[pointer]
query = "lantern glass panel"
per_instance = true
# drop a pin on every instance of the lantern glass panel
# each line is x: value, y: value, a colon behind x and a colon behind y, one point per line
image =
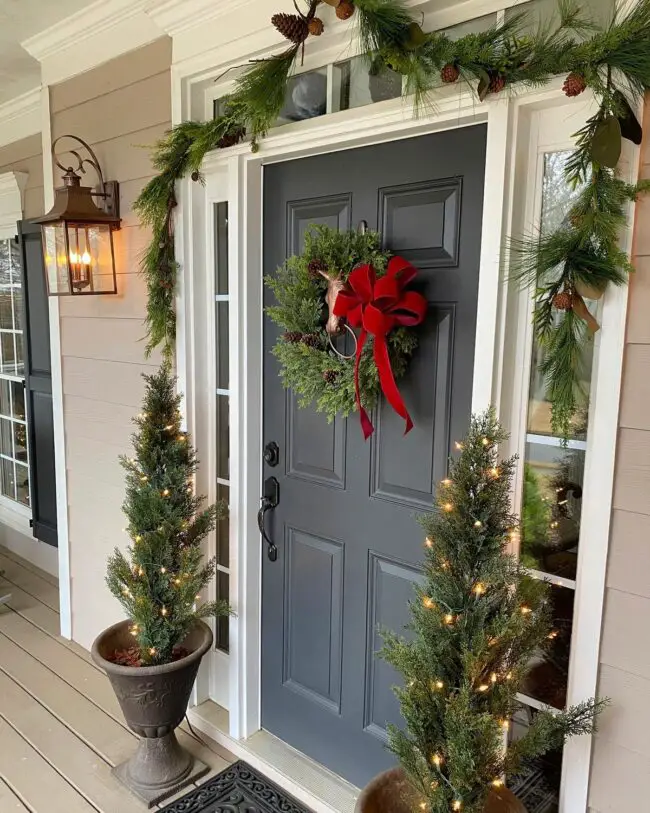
x: 90, y: 254
x: 55, y: 254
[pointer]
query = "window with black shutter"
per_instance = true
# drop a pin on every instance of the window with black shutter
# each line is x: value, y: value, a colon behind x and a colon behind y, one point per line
x: 37, y: 370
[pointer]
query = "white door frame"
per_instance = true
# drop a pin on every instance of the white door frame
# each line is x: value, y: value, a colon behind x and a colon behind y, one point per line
x: 236, y: 175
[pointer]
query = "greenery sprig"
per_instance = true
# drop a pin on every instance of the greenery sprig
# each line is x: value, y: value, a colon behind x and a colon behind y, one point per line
x: 613, y: 61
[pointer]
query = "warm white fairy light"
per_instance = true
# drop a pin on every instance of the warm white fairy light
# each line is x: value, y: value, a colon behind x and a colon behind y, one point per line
x: 494, y: 471
x: 448, y: 507
x: 163, y: 570
x: 181, y: 438
x: 439, y: 684
x: 509, y: 676
x: 437, y: 760
x: 479, y: 589
x: 485, y: 441
x: 525, y: 609
x: 457, y: 805
x: 197, y: 597
x: 138, y: 538
x: 444, y: 564
x: 449, y: 619
x: 428, y: 542
x: 144, y: 478
x: 140, y: 571
x: 505, y: 724
x: 458, y: 445
x: 483, y: 687
x: 177, y: 581
x: 152, y: 651
x: 478, y: 524
x: 163, y: 611
x: 169, y: 427
x: 552, y: 635
x: 446, y: 482
x: 423, y: 805
x: 493, y: 677
x: 165, y: 492
x: 428, y: 602
x: 497, y: 783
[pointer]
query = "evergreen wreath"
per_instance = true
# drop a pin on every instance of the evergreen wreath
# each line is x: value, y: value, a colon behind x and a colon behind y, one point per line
x: 577, y: 261
x: 308, y: 363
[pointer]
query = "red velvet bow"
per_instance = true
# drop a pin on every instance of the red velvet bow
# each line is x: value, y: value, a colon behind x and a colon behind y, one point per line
x: 377, y: 306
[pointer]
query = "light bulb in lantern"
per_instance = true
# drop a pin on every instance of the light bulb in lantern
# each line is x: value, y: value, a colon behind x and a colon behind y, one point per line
x: 85, y: 258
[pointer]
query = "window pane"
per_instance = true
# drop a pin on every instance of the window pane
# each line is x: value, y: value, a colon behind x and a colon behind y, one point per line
x: 358, y: 82
x: 306, y: 97
x: 5, y: 403
x: 18, y: 307
x: 474, y: 26
x: 20, y: 441
x: 8, y: 363
x: 221, y: 247
x: 223, y: 624
x: 5, y: 262
x: 223, y: 530
x: 223, y: 437
x: 6, y: 433
x: 222, y: 346
x: 548, y: 677
x: 7, y: 478
x: 6, y: 318
x: 546, y: 11
x: 18, y: 398
x: 538, y: 789
x: 22, y: 484
x: 552, y: 503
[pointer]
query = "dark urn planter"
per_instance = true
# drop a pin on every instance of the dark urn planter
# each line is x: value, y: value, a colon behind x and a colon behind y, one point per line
x: 154, y: 701
x: 391, y: 792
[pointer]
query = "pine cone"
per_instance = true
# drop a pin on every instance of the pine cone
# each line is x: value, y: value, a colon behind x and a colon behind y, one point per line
x: 291, y: 26
x: 345, y: 9
x: 330, y: 376
x: 449, y: 74
x: 563, y: 301
x: 315, y: 267
x: 231, y: 138
x: 574, y: 84
x: 316, y: 27
x: 311, y: 340
x: 497, y: 83
x: 195, y: 175
x: 292, y: 336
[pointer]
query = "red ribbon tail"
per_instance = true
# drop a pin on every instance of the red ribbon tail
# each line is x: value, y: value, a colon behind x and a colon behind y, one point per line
x: 366, y: 423
x: 387, y: 382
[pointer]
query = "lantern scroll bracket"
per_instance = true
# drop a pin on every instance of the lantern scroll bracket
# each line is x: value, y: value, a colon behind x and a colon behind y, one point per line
x: 107, y: 192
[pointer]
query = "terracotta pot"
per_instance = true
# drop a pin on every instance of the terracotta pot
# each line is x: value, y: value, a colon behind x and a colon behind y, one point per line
x: 587, y: 291
x: 391, y: 792
x: 154, y: 701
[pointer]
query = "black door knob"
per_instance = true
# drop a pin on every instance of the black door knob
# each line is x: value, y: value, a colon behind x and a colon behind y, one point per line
x: 272, y: 453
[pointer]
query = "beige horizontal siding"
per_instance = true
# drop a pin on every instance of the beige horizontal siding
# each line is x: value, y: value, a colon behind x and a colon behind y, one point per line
x: 121, y: 109
x: 26, y: 155
x: 620, y: 774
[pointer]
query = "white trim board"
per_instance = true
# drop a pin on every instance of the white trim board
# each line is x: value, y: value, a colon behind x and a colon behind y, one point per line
x: 60, y: 470
x: 20, y: 117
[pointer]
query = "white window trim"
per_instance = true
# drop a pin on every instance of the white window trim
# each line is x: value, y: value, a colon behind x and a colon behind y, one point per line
x: 241, y: 177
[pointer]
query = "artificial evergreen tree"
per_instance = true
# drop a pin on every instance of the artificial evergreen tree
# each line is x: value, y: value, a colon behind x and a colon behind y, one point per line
x: 476, y: 623
x: 160, y: 579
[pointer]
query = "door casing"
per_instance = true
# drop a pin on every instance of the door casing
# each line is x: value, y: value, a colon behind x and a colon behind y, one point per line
x: 238, y: 177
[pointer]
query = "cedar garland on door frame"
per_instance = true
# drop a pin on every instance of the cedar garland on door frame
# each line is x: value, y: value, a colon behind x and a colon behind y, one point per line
x: 573, y: 263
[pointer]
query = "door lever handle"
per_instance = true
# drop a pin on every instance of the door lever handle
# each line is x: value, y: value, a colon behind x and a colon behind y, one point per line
x: 270, y: 500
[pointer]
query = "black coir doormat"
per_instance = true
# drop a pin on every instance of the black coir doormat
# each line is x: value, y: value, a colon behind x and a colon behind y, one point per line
x: 238, y: 789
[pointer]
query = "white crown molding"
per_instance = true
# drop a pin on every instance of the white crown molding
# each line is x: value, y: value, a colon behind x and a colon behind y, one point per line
x: 20, y: 117
x: 12, y: 186
x: 102, y: 31
x: 176, y: 16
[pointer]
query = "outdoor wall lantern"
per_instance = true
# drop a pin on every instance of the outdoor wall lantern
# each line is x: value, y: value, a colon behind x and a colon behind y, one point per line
x: 78, y: 233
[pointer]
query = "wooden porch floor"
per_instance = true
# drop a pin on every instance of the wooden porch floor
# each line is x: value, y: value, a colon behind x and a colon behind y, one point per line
x: 61, y: 729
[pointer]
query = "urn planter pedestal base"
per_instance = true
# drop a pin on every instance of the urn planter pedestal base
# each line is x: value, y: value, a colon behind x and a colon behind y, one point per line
x: 159, y: 769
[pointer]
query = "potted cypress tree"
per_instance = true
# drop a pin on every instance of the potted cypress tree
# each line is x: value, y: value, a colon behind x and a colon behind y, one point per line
x: 152, y: 658
x: 477, y: 621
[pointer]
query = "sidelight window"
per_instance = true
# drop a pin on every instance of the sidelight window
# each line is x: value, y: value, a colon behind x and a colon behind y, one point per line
x: 14, y: 465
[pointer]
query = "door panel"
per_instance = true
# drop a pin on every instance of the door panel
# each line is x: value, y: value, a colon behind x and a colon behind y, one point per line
x: 349, y: 546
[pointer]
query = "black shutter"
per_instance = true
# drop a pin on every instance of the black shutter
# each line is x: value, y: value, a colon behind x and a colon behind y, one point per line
x: 38, y: 384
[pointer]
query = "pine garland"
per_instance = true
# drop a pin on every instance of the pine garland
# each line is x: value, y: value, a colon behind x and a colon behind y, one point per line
x: 614, y: 62
x: 477, y: 621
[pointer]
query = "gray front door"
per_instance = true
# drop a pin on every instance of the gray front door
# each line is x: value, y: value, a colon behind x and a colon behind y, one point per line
x: 349, y: 547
